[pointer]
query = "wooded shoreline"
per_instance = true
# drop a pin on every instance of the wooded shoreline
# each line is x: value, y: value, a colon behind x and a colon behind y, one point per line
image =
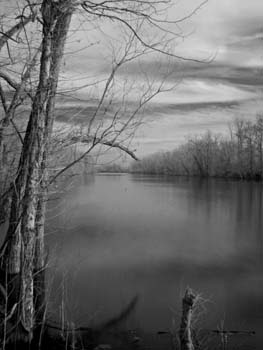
x: 238, y: 155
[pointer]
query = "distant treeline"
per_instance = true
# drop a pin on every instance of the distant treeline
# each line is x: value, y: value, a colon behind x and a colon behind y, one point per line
x: 238, y: 155
x: 112, y: 168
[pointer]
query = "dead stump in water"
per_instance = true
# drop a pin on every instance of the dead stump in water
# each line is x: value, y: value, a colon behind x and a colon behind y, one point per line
x: 185, y: 335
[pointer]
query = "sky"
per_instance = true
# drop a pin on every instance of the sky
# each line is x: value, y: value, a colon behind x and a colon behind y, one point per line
x: 204, y: 96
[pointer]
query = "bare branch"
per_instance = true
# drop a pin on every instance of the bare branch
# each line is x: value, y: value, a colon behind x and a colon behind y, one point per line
x: 113, y: 144
x: 17, y: 131
x: 3, y: 99
x: 115, y: 11
x: 94, y: 142
x: 9, y: 80
x: 70, y: 165
x: 8, y: 35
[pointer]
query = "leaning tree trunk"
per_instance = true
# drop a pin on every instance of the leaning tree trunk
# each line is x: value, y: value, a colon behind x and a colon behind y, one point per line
x: 23, y: 252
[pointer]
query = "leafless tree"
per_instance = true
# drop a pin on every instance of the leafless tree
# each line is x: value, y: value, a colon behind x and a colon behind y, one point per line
x: 35, y: 80
x: 238, y: 155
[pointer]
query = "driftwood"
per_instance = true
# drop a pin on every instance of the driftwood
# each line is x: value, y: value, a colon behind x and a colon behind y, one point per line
x: 189, y: 300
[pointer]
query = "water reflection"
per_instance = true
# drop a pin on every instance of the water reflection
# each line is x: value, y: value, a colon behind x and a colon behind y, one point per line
x: 124, y: 235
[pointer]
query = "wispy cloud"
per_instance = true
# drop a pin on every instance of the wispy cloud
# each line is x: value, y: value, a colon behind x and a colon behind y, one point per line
x: 208, y: 95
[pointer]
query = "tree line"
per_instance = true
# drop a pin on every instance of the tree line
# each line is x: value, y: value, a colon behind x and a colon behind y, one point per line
x: 237, y: 155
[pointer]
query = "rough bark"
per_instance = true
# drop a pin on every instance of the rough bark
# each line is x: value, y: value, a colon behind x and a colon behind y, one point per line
x: 39, y: 263
x: 25, y: 233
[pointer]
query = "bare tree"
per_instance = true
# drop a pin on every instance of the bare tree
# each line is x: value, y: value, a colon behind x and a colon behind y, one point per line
x: 258, y: 128
x: 22, y: 252
x: 208, y: 155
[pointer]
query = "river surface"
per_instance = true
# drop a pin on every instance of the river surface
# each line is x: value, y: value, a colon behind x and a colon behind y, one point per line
x: 118, y: 236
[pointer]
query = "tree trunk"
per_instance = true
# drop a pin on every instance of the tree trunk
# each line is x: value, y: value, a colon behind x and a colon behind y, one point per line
x: 39, y: 267
x: 24, y: 250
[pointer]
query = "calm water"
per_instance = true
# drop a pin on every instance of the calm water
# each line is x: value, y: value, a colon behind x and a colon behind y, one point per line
x: 122, y: 235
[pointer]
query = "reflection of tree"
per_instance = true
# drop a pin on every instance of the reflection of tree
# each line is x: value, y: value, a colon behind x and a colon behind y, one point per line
x: 203, y: 197
x: 259, y: 221
x: 248, y: 217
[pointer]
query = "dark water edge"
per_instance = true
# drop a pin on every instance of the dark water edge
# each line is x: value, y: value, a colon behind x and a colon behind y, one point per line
x: 232, y: 177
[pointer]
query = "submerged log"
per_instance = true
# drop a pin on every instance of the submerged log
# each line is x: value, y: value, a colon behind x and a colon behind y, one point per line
x: 185, y: 335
